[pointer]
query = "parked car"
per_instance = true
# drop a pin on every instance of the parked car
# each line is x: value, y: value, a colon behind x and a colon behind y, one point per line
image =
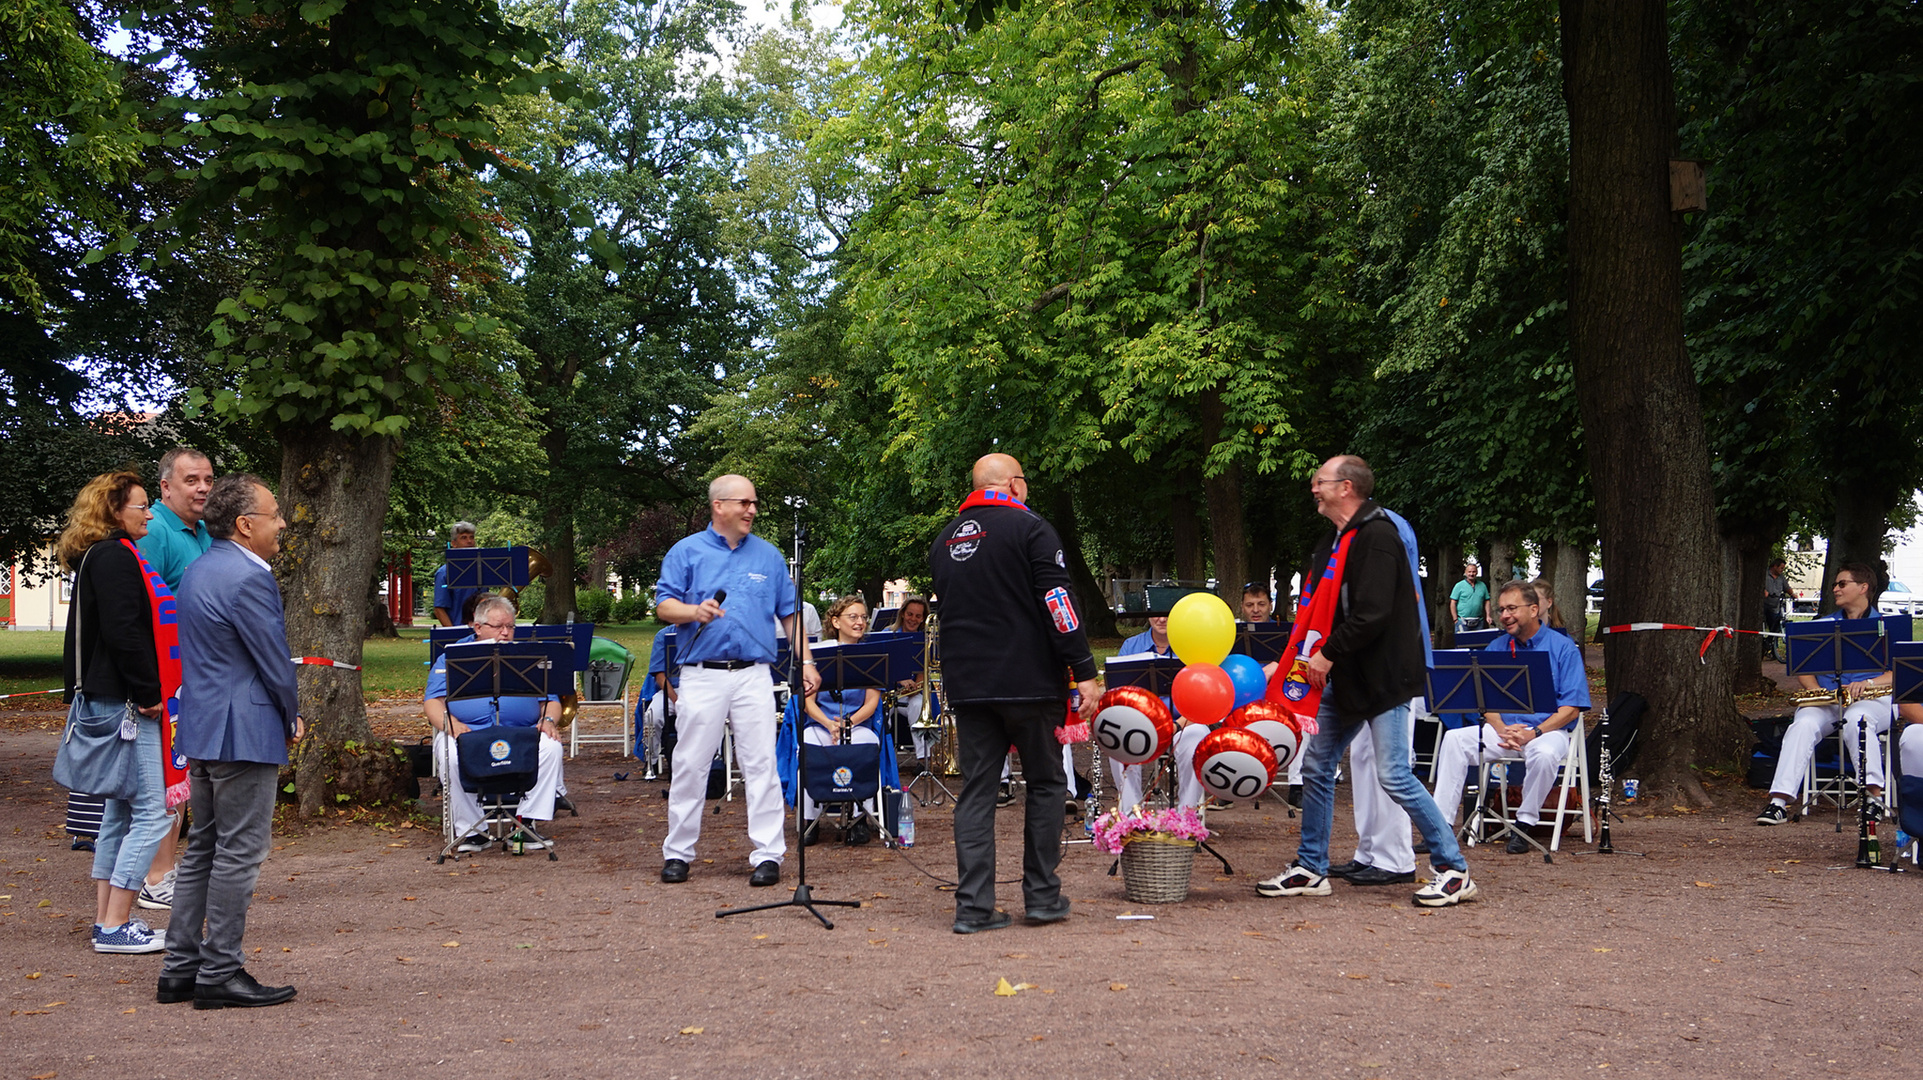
x: 1899, y: 600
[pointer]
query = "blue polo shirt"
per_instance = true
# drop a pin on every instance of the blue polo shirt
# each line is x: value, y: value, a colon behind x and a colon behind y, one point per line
x: 759, y: 592
x: 1143, y: 642
x: 452, y: 600
x: 658, y: 657
x: 479, y: 712
x: 170, y: 545
x: 1566, y: 672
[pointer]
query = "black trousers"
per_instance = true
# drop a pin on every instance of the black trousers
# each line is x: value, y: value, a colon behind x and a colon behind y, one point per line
x: 984, y: 732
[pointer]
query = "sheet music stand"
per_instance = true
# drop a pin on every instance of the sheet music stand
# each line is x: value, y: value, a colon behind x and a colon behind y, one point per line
x: 1476, y: 681
x: 1262, y: 642
x: 494, y: 670
x: 1157, y: 675
x: 1477, y: 639
x: 864, y: 665
x: 487, y: 568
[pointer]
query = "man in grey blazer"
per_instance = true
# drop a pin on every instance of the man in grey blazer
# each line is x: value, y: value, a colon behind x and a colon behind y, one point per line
x: 238, y: 716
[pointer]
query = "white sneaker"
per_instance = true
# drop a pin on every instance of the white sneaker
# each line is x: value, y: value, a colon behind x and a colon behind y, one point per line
x: 157, y: 895
x: 134, y: 937
x: 1447, y: 887
x: 1295, y: 881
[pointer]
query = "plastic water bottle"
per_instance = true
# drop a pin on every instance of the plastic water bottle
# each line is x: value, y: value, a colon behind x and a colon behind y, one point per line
x: 905, y: 823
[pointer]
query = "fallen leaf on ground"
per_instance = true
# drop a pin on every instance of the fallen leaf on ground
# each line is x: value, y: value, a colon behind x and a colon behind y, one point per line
x: 761, y: 937
x: 1602, y: 950
x: 1118, y: 986
x: 692, y: 1030
x: 1358, y: 976
x: 35, y: 975
x: 46, y: 1076
x: 1002, y: 989
x: 1705, y: 885
x: 450, y: 944
x: 1026, y: 986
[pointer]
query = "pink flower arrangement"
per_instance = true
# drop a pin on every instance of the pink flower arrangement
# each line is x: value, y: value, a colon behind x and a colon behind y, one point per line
x: 1115, y: 829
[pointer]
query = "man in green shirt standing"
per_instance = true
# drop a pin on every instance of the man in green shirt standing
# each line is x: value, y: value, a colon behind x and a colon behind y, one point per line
x: 1469, y: 600
x: 175, y: 538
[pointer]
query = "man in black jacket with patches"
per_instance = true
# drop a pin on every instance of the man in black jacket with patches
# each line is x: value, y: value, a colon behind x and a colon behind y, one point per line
x: 1010, y: 637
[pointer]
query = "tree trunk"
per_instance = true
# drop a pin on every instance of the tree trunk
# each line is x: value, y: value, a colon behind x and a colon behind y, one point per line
x: 1571, y: 582
x: 1227, y: 538
x: 1186, y: 525
x: 1090, y: 598
x: 1446, y: 571
x: 557, y: 529
x: 1502, y: 564
x: 333, y: 492
x: 1641, y: 414
x: 1750, y: 567
x: 1862, y: 521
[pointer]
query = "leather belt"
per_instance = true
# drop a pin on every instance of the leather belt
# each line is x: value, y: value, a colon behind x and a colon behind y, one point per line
x: 728, y: 665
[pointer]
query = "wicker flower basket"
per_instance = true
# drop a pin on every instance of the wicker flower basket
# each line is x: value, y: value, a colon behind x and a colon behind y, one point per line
x: 1155, y: 868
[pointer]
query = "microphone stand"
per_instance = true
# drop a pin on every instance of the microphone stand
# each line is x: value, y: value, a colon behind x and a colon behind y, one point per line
x: 804, y: 896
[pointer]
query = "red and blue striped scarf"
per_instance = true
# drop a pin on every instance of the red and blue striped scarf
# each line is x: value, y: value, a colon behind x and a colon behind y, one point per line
x: 166, y: 622
x: 1316, y: 616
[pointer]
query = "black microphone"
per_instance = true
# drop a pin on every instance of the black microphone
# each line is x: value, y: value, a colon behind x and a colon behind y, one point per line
x: 720, y: 596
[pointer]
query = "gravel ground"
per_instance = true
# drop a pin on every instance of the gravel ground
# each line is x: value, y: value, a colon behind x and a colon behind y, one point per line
x: 1725, y: 950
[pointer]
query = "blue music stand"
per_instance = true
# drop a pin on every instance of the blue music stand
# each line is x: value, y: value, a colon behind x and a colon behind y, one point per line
x: 1477, y: 681
x: 1833, y: 647
x: 440, y: 637
x: 487, y: 568
x: 1262, y: 642
x: 579, y: 637
x: 498, y: 669
x: 1477, y: 639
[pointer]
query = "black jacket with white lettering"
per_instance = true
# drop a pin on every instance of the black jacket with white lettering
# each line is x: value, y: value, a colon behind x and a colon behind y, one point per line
x: 1009, y: 627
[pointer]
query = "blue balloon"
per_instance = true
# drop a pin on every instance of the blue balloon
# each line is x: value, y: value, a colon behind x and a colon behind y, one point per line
x: 1246, y: 674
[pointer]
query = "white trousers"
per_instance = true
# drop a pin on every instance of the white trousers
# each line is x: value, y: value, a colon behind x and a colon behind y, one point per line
x: 536, y: 803
x: 744, y: 700
x: 1909, y: 749
x: 818, y: 736
x: 1466, y: 747
x: 1813, y: 723
x: 1188, y: 786
x: 1383, y: 834
x: 908, y: 709
x: 652, y: 719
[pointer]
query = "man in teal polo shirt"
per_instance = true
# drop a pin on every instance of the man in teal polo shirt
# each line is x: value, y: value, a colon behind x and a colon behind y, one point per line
x: 1469, y: 600
x: 177, y: 536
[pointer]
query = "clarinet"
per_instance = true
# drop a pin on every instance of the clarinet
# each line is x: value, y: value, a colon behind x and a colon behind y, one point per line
x: 1864, y: 860
x: 1606, y: 773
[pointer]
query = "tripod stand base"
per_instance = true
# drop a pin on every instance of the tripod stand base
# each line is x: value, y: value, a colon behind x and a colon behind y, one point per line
x: 803, y: 898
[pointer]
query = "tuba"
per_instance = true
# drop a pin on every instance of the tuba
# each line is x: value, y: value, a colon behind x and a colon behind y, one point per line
x: 944, y: 757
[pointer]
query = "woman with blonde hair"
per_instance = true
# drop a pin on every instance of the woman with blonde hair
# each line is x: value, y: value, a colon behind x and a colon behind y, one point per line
x: 121, y: 663
x: 1551, y: 615
x: 833, y: 713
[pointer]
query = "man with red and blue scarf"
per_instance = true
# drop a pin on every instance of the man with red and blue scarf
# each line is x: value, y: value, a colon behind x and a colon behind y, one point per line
x: 1358, y: 652
x: 1011, y: 639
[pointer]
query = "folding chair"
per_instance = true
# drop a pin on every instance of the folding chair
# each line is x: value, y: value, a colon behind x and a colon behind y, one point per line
x: 1830, y: 777
x: 605, y: 682
x: 497, y: 765
x: 1572, y: 775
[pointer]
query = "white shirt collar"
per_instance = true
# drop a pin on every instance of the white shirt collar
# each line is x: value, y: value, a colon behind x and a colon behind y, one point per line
x: 258, y: 561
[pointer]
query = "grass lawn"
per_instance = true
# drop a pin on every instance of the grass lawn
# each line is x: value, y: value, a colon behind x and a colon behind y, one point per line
x: 391, y: 667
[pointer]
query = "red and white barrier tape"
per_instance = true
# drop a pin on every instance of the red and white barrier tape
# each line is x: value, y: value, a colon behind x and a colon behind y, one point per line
x: 322, y: 661
x: 30, y: 693
x: 1711, y: 633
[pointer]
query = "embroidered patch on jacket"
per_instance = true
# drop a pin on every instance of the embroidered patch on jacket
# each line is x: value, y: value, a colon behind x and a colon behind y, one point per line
x: 1061, y: 610
x: 966, y: 541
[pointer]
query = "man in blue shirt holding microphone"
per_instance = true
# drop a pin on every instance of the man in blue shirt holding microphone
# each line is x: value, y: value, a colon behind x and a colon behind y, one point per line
x: 726, y: 587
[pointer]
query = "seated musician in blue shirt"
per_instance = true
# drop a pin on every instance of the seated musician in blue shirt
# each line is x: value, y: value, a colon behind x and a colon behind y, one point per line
x: 1542, y: 739
x: 1128, y: 778
x: 493, y: 621
x: 666, y: 682
x: 835, y: 716
x: 1862, y: 697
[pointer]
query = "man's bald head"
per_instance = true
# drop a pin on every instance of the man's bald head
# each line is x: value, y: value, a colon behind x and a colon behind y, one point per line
x: 999, y: 472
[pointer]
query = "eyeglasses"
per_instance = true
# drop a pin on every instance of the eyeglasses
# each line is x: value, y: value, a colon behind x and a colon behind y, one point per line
x: 1842, y: 581
x: 1318, y: 482
x: 262, y: 513
x: 142, y: 507
x: 746, y: 504
x: 1510, y: 609
x: 496, y: 626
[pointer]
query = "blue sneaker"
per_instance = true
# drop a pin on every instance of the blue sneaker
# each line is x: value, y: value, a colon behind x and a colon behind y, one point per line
x: 134, y: 937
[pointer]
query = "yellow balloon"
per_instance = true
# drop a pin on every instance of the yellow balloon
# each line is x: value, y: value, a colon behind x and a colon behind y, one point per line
x: 1201, y: 629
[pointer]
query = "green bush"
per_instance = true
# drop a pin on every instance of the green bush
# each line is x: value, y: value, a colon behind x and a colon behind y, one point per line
x: 532, y: 597
x: 593, y: 605
x: 632, y: 608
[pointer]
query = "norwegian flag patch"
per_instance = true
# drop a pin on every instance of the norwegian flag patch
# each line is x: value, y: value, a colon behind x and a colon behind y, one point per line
x: 1061, y: 610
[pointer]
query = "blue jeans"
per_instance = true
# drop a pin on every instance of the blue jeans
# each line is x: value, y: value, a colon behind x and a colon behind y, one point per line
x: 1389, y: 731
x: 131, y: 831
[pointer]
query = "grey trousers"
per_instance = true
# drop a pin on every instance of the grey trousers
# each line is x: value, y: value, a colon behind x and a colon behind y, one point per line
x: 233, y: 827
x: 984, y: 732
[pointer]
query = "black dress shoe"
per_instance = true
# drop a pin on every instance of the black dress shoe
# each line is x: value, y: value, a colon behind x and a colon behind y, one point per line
x: 768, y: 873
x: 1518, y: 844
x: 175, y: 989
x: 1295, y: 796
x: 561, y: 802
x: 1422, y: 847
x: 858, y: 834
x: 1375, y: 875
x: 240, y: 992
x: 1343, y: 870
x: 996, y: 920
x: 1050, y: 914
x: 674, y: 871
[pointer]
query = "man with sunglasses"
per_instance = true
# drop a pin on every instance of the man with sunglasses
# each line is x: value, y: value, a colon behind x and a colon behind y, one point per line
x: 1854, y: 591
x: 726, y: 588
